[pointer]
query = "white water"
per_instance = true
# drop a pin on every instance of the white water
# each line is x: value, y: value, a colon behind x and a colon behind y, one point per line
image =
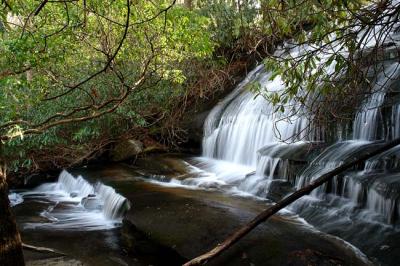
x: 15, y: 199
x: 75, y: 204
x: 243, y: 149
x: 246, y: 131
x: 242, y: 124
x: 368, y: 120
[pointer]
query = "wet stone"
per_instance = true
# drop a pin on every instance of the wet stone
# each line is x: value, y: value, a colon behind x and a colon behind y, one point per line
x: 278, y: 189
x: 91, y: 203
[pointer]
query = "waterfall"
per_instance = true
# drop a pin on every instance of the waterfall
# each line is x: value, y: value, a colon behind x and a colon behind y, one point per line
x: 112, y: 204
x: 77, y: 204
x: 368, y: 119
x: 243, y: 123
x: 246, y: 130
x: 70, y: 184
x: 395, y: 127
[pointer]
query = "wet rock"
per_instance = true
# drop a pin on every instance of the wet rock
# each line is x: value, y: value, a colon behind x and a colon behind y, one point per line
x: 291, y: 159
x: 73, y: 194
x: 38, y: 219
x: 91, y: 203
x: 191, y: 222
x: 388, y: 185
x: 162, y: 168
x: 389, y: 251
x: 126, y: 150
x: 310, y: 257
x: 278, y: 189
x: 139, y: 244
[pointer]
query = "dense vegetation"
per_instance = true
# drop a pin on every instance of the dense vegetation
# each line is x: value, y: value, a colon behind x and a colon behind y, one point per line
x: 77, y: 74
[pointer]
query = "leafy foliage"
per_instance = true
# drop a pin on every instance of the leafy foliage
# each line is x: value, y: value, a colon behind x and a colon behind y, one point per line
x: 73, y: 72
x: 109, y: 65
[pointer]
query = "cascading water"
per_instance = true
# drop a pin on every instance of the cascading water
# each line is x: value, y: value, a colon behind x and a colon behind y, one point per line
x: 251, y: 149
x: 15, y: 199
x: 242, y: 124
x: 244, y: 154
x: 365, y: 127
x: 369, y: 119
x: 76, y: 204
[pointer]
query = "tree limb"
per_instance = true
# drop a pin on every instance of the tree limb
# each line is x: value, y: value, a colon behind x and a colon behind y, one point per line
x: 40, y: 7
x: 264, y: 215
x: 41, y: 249
x: 109, y: 61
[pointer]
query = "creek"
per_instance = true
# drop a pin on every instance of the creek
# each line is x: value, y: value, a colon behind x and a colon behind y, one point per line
x: 252, y: 156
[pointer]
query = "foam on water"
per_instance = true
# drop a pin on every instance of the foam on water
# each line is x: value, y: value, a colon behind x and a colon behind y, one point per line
x: 67, y: 208
x: 15, y: 199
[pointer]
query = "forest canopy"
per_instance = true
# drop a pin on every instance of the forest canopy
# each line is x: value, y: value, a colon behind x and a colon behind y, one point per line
x: 77, y: 73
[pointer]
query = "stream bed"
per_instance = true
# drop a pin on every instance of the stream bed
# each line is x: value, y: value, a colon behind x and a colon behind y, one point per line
x: 177, y: 213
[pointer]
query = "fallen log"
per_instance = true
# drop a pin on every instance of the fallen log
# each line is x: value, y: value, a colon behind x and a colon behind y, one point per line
x: 264, y: 215
x: 42, y: 249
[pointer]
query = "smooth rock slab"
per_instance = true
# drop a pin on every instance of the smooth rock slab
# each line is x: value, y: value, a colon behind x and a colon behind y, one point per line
x: 190, y: 222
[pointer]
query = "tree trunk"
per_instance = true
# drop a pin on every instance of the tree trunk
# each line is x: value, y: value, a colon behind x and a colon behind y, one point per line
x: 264, y: 215
x: 10, y: 240
x: 188, y: 4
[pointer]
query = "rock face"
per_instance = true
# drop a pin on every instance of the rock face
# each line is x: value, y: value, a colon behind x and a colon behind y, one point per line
x: 125, y: 150
x: 169, y: 225
x: 278, y: 189
x: 183, y: 224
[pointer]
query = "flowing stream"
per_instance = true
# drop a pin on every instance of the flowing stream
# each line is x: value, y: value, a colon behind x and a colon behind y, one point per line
x: 72, y: 203
x: 251, y: 150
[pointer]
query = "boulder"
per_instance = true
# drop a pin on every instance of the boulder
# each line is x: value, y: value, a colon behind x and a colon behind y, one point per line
x: 278, y: 189
x: 126, y: 150
x: 91, y: 203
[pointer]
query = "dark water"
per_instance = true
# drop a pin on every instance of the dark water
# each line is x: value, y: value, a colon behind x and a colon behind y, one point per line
x: 94, y: 247
x: 167, y: 210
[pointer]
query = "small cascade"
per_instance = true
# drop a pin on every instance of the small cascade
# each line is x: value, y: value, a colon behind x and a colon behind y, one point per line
x: 78, y: 186
x: 330, y: 158
x: 242, y: 124
x: 114, y: 206
x: 369, y: 120
x: 385, y: 206
x: 389, y: 160
x: 395, y: 128
x: 285, y: 161
x: 77, y: 204
x: 353, y: 189
x: 285, y: 154
x: 269, y: 164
